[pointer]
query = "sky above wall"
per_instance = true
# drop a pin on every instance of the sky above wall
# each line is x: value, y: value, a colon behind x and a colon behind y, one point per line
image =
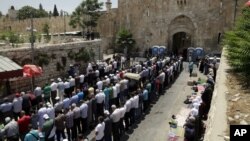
x: 48, y: 5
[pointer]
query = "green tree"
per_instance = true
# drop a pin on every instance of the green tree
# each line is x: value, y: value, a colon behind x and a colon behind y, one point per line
x: 237, y: 42
x: 125, y: 41
x: 13, y: 38
x: 1, y: 14
x: 26, y: 11
x: 86, y: 14
x: 55, y: 11
x: 46, y: 31
x: 40, y: 6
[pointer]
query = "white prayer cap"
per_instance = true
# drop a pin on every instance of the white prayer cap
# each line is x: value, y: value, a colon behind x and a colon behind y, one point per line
x: 106, y: 112
x: 46, y: 116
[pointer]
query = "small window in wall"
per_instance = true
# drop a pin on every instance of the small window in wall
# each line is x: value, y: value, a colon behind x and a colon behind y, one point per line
x: 181, y: 2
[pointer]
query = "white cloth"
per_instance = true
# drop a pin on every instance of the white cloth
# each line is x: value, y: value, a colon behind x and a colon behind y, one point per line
x: 72, y: 82
x: 53, y: 86
x: 81, y: 78
x: 125, y: 83
x: 122, y: 112
x: 41, y: 112
x: 99, y: 85
x: 100, y: 130
x: 128, y: 105
x: 136, y: 101
x: 100, y: 97
x: 194, y: 112
x: 84, y: 110
x: 118, y: 86
x: 114, y: 92
x: 38, y: 91
x: 66, y: 85
x: 116, y: 115
x: 17, y: 104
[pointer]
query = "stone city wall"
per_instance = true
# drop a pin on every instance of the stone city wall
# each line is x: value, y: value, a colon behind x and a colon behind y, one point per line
x: 57, y: 56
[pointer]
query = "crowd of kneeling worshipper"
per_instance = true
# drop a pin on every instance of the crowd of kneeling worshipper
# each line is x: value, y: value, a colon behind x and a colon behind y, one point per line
x: 199, y: 103
x: 106, y: 98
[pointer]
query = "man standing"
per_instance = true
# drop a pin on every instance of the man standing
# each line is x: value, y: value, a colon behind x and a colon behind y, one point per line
x: 108, y: 127
x: 41, y: 112
x: 99, y: 84
x: 72, y: 84
x: 77, y: 126
x: 53, y: 87
x: 127, y: 117
x: 23, y: 124
x: 46, y: 92
x: 69, y: 123
x: 26, y: 105
x: 145, y: 100
x: 48, y: 128
x: 60, y: 88
x: 17, y: 105
x: 191, y: 66
x: 60, y: 126
x: 38, y: 94
x: 100, y: 97
x: 84, y: 116
x: 11, y: 129
x: 99, y: 130
x: 32, y: 135
x: 115, y: 116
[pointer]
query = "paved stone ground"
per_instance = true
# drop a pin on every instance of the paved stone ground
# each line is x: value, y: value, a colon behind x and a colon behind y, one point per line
x: 154, y: 126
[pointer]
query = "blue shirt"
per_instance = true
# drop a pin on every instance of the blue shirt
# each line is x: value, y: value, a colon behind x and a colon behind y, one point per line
x: 66, y: 103
x: 80, y: 96
x: 74, y: 99
x: 145, y: 94
x: 32, y: 136
x: 106, y: 92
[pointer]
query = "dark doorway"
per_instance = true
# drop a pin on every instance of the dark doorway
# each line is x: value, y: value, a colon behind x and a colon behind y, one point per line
x: 181, y: 41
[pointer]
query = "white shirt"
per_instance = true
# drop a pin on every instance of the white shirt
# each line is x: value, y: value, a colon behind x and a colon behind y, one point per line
x: 66, y: 85
x: 17, y: 104
x: 196, y: 105
x: 100, y: 130
x: 128, y: 105
x: 118, y: 86
x: 115, y: 64
x: 99, y: 85
x: 125, y: 83
x: 58, y: 106
x: 136, y: 101
x: 81, y: 78
x: 72, y: 82
x: 116, y: 115
x: 42, y: 111
x: 77, y: 112
x: 97, y: 73
x: 107, y: 81
x: 194, y: 112
x: 60, y: 86
x: 114, y: 92
x: 122, y: 112
x: 84, y: 110
x: 38, y: 91
x: 100, y: 97
x: 53, y: 86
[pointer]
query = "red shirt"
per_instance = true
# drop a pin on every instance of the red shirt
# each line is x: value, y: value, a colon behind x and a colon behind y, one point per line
x: 23, y: 124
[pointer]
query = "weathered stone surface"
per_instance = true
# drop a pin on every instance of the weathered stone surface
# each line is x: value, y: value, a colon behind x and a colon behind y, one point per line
x: 155, y: 22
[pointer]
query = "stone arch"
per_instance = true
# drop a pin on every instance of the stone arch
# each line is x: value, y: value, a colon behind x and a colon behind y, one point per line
x: 181, y: 24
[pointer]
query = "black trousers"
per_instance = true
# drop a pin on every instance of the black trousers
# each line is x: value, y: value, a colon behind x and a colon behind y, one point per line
x: 99, y: 109
x: 69, y: 133
x: 53, y: 97
x: 76, y: 127
x: 116, y: 131
x: 132, y: 116
x: 58, y: 135
x: 121, y: 126
x: 127, y: 120
x: 84, y: 124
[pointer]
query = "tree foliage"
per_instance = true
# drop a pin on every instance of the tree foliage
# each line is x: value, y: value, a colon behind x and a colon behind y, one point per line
x: 125, y: 40
x: 1, y: 14
x: 26, y: 12
x: 86, y: 14
x: 55, y: 11
x: 237, y: 42
x: 46, y: 31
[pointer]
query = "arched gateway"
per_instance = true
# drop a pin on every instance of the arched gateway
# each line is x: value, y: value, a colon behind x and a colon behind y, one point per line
x: 181, y: 34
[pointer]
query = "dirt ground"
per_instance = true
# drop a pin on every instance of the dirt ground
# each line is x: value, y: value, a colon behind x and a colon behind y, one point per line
x: 238, y: 110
